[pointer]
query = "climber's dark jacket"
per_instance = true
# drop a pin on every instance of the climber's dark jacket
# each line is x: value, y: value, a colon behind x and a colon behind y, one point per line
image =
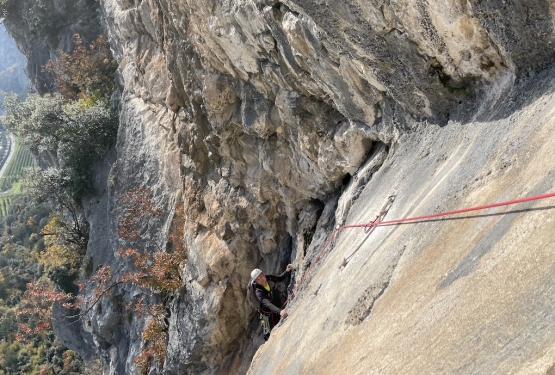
x: 270, y: 301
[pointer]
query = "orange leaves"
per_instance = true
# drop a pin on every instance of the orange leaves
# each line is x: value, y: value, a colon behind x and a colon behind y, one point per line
x: 24, y: 332
x: 155, y: 336
x: 158, y: 271
x: 136, y: 203
x: 80, y: 74
x: 37, y: 301
x: 42, y: 295
x: 42, y: 326
x: 102, y: 275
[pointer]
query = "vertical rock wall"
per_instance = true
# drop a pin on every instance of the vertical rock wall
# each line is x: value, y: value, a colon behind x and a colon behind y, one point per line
x: 465, y: 294
x: 42, y: 28
x: 252, y: 115
x: 269, y: 106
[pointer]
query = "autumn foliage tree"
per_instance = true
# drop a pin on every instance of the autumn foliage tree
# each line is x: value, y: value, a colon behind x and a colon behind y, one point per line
x: 37, y: 304
x: 63, y: 246
x: 67, y: 132
x: 71, y: 136
x: 86, y: 71
x: 157, y: 273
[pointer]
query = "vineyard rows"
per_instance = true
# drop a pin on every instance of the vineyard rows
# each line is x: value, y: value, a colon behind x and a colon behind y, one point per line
x: 9, y: 182
x: 5, y: 203
x: 5, y: 145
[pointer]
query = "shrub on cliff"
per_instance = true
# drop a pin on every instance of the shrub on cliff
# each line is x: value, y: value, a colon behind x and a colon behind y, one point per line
x: 77, y: 134
x: 65, y: 243
x: 69, y: 136
x: 157, y: 274
x: 86, y: 71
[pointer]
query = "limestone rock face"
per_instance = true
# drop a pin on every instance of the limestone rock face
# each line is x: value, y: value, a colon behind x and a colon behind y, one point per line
x: 42, y: 28
x: 271, y: 122
x: 254, y: 114
x: 467, y: 294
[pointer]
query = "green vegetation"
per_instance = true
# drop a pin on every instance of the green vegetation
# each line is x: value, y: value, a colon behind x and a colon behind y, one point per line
x: 5, y: 203
x: 10, y: 81
x: 78, y: 132
x: 69, y: 132
x: 44, y: 234
x: 14, y: 172
x: 21, y: 243
x: 10, y: 182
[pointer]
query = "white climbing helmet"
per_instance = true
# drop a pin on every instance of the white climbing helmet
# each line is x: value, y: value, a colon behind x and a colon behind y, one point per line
x: 254, y: 274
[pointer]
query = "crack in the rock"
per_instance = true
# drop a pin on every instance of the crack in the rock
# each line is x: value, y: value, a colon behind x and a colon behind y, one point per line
x: 365, y: 304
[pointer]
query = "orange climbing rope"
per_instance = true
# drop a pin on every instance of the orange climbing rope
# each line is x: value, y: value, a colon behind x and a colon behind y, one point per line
x: 368, y: 227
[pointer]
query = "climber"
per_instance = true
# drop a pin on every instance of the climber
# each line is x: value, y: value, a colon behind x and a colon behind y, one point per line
x: 268, y: 298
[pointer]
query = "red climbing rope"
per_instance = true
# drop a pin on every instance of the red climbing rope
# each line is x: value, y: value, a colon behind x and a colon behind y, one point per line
x: 448, y: 213
x: 376, y: 223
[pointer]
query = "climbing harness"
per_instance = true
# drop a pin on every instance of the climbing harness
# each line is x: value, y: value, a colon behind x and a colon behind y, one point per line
x: 262, y: 316
x: 265, y: 323
x: 377, y: 222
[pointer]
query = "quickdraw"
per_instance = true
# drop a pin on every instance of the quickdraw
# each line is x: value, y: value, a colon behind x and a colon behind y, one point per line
x: 369, y: 228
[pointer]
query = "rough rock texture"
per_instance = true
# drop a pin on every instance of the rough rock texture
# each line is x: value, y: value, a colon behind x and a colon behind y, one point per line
x: 253, y: 114
x: 271, y: 122
x: 42, y: 28
x: 471, y: 294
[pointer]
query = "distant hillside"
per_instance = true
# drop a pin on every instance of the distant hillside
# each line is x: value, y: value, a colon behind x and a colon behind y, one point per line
x: 12, y: 67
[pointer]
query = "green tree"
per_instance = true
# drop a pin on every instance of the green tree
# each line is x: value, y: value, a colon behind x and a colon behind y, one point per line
x: 67, y: 233
x: 74, y: 134
x: 69, y: 136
